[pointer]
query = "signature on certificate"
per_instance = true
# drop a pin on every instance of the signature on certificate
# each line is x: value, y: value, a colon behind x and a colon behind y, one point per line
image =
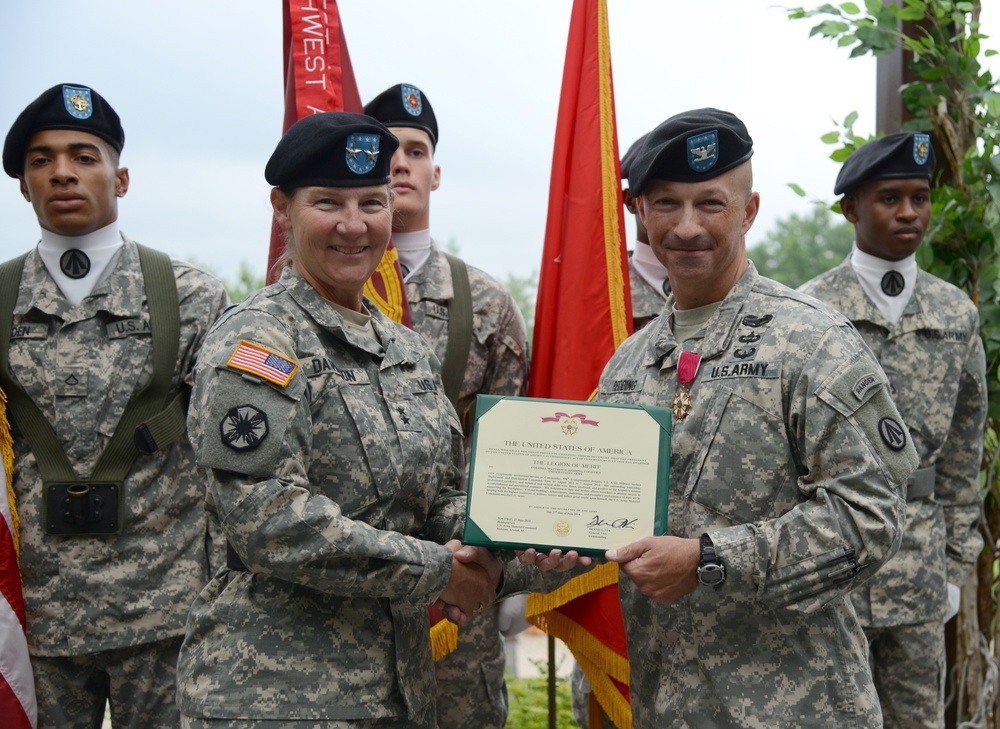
x: 597, y: 521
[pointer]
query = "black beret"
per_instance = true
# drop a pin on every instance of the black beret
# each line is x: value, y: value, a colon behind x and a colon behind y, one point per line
x: 631, y: 154
x: 893, y: 157
x: 690, y: 147
x: 332, y: 149
x: 404, y: 105
x: 65, y: 106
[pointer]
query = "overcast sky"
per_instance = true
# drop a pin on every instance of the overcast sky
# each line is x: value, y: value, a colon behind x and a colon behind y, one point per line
x: 198, y: 86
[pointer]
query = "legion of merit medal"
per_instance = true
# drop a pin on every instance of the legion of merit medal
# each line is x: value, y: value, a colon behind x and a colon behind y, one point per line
x: 687, y: 368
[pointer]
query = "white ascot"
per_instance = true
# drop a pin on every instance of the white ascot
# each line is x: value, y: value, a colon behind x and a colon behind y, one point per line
x: 649, y: 267
x: 77, y: 274
x: 414, y: 250
x: 871, y: 270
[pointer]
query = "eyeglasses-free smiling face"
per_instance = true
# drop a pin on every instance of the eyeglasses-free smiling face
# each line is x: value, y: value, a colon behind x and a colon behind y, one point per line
x: 697, y: 229
x: 338, y: 236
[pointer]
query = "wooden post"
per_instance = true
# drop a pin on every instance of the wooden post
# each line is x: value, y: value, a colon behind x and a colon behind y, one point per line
x: 552, y: 681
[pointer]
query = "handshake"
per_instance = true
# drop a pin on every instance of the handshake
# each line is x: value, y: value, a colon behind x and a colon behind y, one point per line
x: 476, y: 577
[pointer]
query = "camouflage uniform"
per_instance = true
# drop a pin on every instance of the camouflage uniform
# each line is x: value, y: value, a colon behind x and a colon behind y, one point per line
x: 470, y: 680
x: 934, y: 360
x: 647, y: 302
x: 783, y: 463
x: 339, y: 506
x: 89, y: 596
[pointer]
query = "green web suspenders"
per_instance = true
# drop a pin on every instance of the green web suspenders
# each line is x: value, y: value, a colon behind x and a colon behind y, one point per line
x: 456, y: 356
x: 95, y: 504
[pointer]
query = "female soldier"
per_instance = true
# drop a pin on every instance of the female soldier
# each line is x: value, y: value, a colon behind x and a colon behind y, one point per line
x: 333, y: 461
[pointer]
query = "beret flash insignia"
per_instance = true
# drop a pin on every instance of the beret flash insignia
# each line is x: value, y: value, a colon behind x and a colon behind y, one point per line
x: 78, y: 102
x: 412, y: 102
x: 362, y: 152
x: 703, y: 151
x: 921, y: 148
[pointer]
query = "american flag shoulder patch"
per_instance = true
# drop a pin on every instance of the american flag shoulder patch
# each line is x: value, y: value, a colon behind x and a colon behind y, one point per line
x: 262, y: 362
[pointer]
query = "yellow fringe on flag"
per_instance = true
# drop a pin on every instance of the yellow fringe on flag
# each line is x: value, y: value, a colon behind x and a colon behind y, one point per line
x: 611, y: 185
x: 597, y: 660
x: 444, y: 638
x: 391, y: 303
x: 602, y: 575
x: 7, y: 451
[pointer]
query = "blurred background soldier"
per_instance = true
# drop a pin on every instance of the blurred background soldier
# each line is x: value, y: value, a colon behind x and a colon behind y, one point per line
x: 925, y: 334
x: 477, y: 332
x: 647, y: 277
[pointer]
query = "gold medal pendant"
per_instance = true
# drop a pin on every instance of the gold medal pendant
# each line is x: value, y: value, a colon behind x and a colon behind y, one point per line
x: 682, y: 402
x: 687, y: 369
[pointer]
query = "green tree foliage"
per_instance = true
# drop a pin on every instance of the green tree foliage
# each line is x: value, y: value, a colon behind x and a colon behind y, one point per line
x: 240, y: 287
x: 529, y: 703
x: 524, y: 290
x: 957, y: 100
x: 246, y: 282
x: 803, y: 246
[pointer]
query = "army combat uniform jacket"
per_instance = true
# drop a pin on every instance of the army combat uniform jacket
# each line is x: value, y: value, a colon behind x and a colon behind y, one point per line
x: 647, y: 302
x: 793, y: 459
x: 81, y: 365
x: 470, y: 679
x: 934, y: 360
x: 335, y: 479
x: 498, y: 355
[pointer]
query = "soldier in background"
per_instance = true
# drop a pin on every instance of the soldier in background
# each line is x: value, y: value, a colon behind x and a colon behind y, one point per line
x: 103, y: 340
x: 925, y: 334
x: 457, y: 309
x: 647, y: 277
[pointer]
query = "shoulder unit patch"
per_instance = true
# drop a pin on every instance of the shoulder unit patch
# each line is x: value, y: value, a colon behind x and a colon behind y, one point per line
x: 244, y: 428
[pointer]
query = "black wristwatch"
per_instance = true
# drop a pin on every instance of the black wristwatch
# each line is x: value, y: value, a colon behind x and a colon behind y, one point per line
x: 711, y: 571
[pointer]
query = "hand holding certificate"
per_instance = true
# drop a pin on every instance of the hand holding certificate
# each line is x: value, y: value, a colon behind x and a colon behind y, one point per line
x: 559, y: 474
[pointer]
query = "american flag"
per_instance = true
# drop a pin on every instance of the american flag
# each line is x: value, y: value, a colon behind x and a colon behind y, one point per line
x: 17, y: 686
x: 263, y: 362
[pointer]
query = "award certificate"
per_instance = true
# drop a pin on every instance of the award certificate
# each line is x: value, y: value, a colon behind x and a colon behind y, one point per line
x: 565, y: 474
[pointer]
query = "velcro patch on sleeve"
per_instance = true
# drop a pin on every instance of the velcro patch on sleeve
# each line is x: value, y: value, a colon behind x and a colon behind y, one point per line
x: 263, y: 362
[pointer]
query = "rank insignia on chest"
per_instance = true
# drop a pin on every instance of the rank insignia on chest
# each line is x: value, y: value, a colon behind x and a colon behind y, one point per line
x: 263, y: 362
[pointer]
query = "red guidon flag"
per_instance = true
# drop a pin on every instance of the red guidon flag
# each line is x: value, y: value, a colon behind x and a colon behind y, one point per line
x: 583, y: 313
x: 319, y: 77
x: 17, y: 685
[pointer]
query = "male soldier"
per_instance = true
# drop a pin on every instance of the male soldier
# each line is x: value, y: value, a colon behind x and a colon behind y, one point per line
x: 103, y: 336
x: 647, y: 278
x: 458, y: 309
x: 787, y: 468
x: 925, y: 334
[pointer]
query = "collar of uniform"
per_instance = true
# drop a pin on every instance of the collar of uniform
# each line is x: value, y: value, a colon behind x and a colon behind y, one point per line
x: 433, y: 279
x: 40, y: 291
x: 721, y: 327
x: 391, y: 351
x: 853, y: 303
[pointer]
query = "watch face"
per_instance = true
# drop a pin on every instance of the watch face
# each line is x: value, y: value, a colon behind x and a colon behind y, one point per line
x: 711, y: 574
